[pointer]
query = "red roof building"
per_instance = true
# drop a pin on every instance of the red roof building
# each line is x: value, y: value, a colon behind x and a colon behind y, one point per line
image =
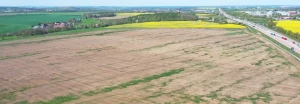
x: 59, y: 25
x: 293, y: 13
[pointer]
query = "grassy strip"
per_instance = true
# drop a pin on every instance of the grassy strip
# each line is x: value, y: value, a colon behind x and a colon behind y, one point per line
x: 8, y: 96
x: 11, y: 38
x: 22, y: 102
x: 12, y: 95
x: 134, y: 82
x: 59, y: 100
x: 64, y: 99
x: 19, y: 56
x: 296, y: 75
x: 101, y: 34
x: 153, y: 47
x: 233, y: 29
x: 259, y: 62
x: 56, y: 100
x: 195, y: 99
x: 235, y: 33
x: 47, y: 40
x: 252, y: 30
x: 279, y: 44
x: 97, y: 49
x: 264, y: 96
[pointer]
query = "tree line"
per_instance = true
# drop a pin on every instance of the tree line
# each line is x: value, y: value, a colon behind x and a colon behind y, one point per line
x: 294, y: 35
x: 143, y: 18
x: 98, y: 15
x: 151, y: 18
x: 105, y: 23
x: 215, y: 19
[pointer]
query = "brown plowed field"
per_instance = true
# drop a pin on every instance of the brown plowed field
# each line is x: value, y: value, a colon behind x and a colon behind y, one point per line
x: 212, y: 66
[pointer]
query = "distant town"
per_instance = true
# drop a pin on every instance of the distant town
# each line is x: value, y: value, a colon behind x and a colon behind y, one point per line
x: 276, y: 12
x: 91, y: 9
x: 278, y: 15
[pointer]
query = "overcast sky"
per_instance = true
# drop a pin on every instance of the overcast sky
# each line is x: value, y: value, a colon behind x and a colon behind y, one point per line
x: 144, y: 2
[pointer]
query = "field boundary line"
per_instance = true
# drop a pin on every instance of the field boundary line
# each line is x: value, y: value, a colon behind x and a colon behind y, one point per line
x: 265, y: 36
x: 284, y: 50
x: 296, y: 57
x: 250, y: 29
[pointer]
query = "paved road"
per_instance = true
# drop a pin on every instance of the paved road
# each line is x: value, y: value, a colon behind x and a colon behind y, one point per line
x: 276, y: 36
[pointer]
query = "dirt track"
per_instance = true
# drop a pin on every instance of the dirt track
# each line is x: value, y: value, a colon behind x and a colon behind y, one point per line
x: 219, y: 67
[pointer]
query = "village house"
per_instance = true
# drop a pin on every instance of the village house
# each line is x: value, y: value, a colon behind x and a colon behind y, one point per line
x: 285, y: 17
x: 35, y: 27
x: 293, y: 13
x: 41, y: 25
x: 59, y: 25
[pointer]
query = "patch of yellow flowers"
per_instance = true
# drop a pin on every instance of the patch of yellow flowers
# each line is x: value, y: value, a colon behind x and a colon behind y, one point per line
x: 204, y: 15
x: 177, y: 24
x: 294, y: 26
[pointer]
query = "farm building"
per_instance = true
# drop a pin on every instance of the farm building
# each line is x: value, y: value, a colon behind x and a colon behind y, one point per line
x: 35, y: 27
x: 285, y: 18
x: 59, y: 25
x: 293, y: 13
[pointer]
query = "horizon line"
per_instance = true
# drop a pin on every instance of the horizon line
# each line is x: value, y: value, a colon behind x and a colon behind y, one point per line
x: 142, y: 6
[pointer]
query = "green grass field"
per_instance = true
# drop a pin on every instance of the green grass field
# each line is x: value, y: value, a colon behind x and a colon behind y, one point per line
x: 56, y: 13
x: 12, y: 38
x: 14, y: 22
x: 10, y: 23
x: 66, y: 13
x: 89, y: 21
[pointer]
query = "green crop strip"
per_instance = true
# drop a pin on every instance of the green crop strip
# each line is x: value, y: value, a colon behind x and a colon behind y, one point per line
x: 19, y: 56
x: 134, y: 82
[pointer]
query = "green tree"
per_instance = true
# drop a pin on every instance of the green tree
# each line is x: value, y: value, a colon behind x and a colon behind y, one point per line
x: 297, y: 36
x: 3, y: 35
x: 289, y: 33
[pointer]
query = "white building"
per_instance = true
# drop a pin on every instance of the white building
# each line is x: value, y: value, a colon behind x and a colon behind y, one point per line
x: 283, y: 13
x: 270, y: 14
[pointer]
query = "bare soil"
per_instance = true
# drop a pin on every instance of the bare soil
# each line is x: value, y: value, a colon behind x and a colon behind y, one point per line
x: 219, y: 67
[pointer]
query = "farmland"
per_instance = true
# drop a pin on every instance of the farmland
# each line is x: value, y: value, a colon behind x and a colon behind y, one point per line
x: 123, y: 15
x: 177, y: 24
x: 11, y: 23
x: 204, y: 15
x: 130, y: 14
x: 148, y: 66
x: 118, y: 16
x: 291, y: 25
x: 89, y: 21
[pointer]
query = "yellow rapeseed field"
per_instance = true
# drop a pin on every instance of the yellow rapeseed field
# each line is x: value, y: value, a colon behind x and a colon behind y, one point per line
x: 177, y: 24
x: 204, y: 15
x: 292, y: 25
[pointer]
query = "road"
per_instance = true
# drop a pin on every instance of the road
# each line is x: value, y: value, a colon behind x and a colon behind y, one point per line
x: 290, y: 43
